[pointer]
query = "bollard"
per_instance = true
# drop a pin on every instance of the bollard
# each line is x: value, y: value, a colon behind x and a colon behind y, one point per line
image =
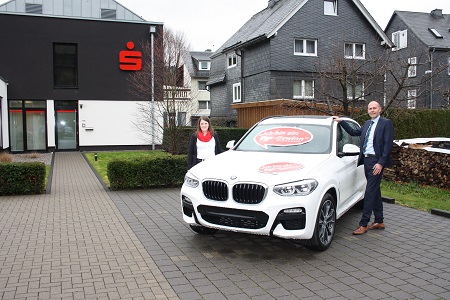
x: 95, y: 156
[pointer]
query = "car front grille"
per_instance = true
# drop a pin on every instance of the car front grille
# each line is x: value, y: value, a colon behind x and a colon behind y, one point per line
x: 245, y: 193
x: 233, y: 217
x: 215, y: 190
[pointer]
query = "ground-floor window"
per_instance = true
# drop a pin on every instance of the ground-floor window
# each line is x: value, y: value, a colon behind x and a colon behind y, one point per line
x: 27, y: 125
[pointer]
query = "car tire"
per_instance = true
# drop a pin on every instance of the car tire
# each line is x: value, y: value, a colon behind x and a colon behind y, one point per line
x: 325, y: 225
x: 203, y: 230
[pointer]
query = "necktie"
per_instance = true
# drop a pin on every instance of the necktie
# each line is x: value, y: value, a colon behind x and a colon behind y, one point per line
x: 366, y: 139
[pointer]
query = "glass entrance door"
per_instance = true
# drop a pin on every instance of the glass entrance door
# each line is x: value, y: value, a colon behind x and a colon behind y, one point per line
x: 66, y: 125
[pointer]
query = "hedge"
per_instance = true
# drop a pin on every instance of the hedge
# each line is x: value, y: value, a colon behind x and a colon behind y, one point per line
x: 22, y: 178
x: 147, y: 172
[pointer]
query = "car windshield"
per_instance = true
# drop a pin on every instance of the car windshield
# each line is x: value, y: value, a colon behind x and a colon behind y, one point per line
x: 288, y: 138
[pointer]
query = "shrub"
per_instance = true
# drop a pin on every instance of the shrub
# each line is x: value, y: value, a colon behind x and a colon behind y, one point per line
x: 147, y: 172
x: 22, y: 178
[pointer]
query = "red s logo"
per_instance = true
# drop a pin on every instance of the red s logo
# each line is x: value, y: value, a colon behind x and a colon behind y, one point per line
x: 130, y: 60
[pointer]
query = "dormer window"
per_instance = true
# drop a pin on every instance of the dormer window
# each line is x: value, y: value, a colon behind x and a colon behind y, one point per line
x: 435, y: 33
x: 330, y: 7
x: 31, y: 8
x: 204, y: 65
x: 108, y: 13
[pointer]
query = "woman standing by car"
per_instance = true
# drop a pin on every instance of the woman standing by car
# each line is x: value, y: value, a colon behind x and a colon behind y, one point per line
x: 204, y: 143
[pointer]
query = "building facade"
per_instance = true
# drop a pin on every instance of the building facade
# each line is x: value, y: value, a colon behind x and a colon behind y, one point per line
x: 66, y: 69
x: 422, y: 48
x: 284, y: 51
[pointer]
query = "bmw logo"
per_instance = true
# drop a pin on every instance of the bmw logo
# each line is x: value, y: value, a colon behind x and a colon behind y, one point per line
x: 233, y: 177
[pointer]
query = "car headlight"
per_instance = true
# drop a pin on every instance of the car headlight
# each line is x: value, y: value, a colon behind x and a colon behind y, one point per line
x: 298, y: 188
x: 191, y: 181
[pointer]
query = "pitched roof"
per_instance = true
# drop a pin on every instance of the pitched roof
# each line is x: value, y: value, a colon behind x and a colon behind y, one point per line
x: 83, y: 9
x: 420, y: 24
x: 266, y: 23
x: 191, y: 60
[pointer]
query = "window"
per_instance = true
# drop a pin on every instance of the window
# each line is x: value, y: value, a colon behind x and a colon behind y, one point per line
x: 108, y: 13
x: 412, y: 67
x: 355, y: 91
x: 412, y: 95
x: 202, y: 86
x: 400, y: 39
x: 303, y: 89
x: 181, y: 118
x: 330, y: 7
x: 33, y: 8
x: 436, y: 33
x: 203, y: 105
x: 305, y: 47
x: 204, y: 65
x: 237, y: 92
x: 448, y: 68
x: 65, y: 65
x: 232, y: 60
x: 355, y: 50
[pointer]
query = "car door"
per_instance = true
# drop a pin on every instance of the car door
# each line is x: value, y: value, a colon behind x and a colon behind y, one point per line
x: 351, y: 178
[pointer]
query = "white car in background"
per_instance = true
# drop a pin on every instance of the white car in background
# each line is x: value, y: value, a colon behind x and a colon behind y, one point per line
x: 289, y: 177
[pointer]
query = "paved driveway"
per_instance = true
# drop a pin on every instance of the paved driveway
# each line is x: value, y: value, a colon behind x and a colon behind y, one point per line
x: 408, y: 260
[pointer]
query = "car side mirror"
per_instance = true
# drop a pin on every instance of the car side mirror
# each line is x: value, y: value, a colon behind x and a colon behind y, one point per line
x: 230, y: 144
x: 349, y: 150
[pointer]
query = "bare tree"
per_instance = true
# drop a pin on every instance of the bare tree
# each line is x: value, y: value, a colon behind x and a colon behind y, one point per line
x: 172, y: 102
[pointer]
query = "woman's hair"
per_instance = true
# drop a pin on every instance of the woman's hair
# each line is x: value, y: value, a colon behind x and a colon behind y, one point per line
x: 205, y: 118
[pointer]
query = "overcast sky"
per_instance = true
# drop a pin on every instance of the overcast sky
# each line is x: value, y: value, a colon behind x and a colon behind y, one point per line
x: 208, y: 24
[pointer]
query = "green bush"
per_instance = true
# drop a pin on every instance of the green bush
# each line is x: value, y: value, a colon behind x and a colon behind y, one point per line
x: 147, y: 172
x: 22, y: 178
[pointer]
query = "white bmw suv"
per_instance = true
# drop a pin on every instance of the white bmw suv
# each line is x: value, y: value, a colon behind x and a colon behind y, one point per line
x: 289, y: 177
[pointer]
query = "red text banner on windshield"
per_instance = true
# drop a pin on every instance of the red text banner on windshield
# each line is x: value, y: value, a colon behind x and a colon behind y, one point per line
x: 283, y: 137
x: 279, y: 167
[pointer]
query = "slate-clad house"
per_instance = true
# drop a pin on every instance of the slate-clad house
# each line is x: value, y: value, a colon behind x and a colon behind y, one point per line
x: 65, y: 69
x: 422, y: 40
x: 276, y: 54
x: 198, y: 64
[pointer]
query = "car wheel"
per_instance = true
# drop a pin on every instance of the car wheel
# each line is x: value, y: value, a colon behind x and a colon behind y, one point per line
x: 203, y: 230
x: 325, y: 225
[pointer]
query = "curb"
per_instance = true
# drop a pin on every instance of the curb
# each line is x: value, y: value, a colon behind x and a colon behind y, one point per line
x: 440, y: 212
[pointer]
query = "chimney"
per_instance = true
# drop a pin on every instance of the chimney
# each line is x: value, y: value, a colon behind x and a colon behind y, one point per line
x: 437, y: 13
x: 272, y: 3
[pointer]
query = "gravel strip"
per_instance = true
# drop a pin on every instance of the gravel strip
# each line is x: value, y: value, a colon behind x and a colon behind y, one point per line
x: 46, y: 158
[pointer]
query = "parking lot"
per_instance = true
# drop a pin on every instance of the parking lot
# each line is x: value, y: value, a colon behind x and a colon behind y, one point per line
x: 408, y: 260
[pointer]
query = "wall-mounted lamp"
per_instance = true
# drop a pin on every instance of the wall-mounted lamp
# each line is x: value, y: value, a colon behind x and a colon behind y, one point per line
x: 81, y: 106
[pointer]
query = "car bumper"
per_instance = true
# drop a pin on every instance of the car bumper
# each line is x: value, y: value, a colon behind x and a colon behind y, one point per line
x: 284, y: 217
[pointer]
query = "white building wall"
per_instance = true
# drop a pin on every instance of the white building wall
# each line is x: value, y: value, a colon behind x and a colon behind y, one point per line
x: 110, y: 123
x: 4, y: 133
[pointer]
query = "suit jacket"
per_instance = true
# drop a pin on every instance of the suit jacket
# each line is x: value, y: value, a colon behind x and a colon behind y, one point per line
x: 192, y: 150
x: 383, y: 140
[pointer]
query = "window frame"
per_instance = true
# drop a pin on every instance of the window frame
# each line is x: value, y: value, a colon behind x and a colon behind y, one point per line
x: 58, y: 67
x: 232, y: 60
x: 334, y: 7
x: 303, y: 89
x: 412, y: 67
x: 350, y: 89
x: 207, y: 102
x: 204, y: 83
x: 354, y: 56
x: 237, y: 92
x: 400, y: 37
x: 412, y: 97
x: 305, y: 44
x: 208, y: 65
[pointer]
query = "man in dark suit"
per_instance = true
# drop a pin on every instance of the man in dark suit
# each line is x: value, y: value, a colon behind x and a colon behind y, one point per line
x: 377, y: 136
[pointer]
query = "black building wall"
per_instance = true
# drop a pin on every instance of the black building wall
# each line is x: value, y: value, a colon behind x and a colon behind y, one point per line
x: 26, y: 56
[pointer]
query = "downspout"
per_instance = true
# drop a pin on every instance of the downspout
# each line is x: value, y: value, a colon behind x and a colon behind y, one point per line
x: 431, y: 78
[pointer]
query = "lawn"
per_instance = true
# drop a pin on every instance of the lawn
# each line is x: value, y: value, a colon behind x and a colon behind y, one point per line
x: 411, y: 195
x: 101, y: 164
